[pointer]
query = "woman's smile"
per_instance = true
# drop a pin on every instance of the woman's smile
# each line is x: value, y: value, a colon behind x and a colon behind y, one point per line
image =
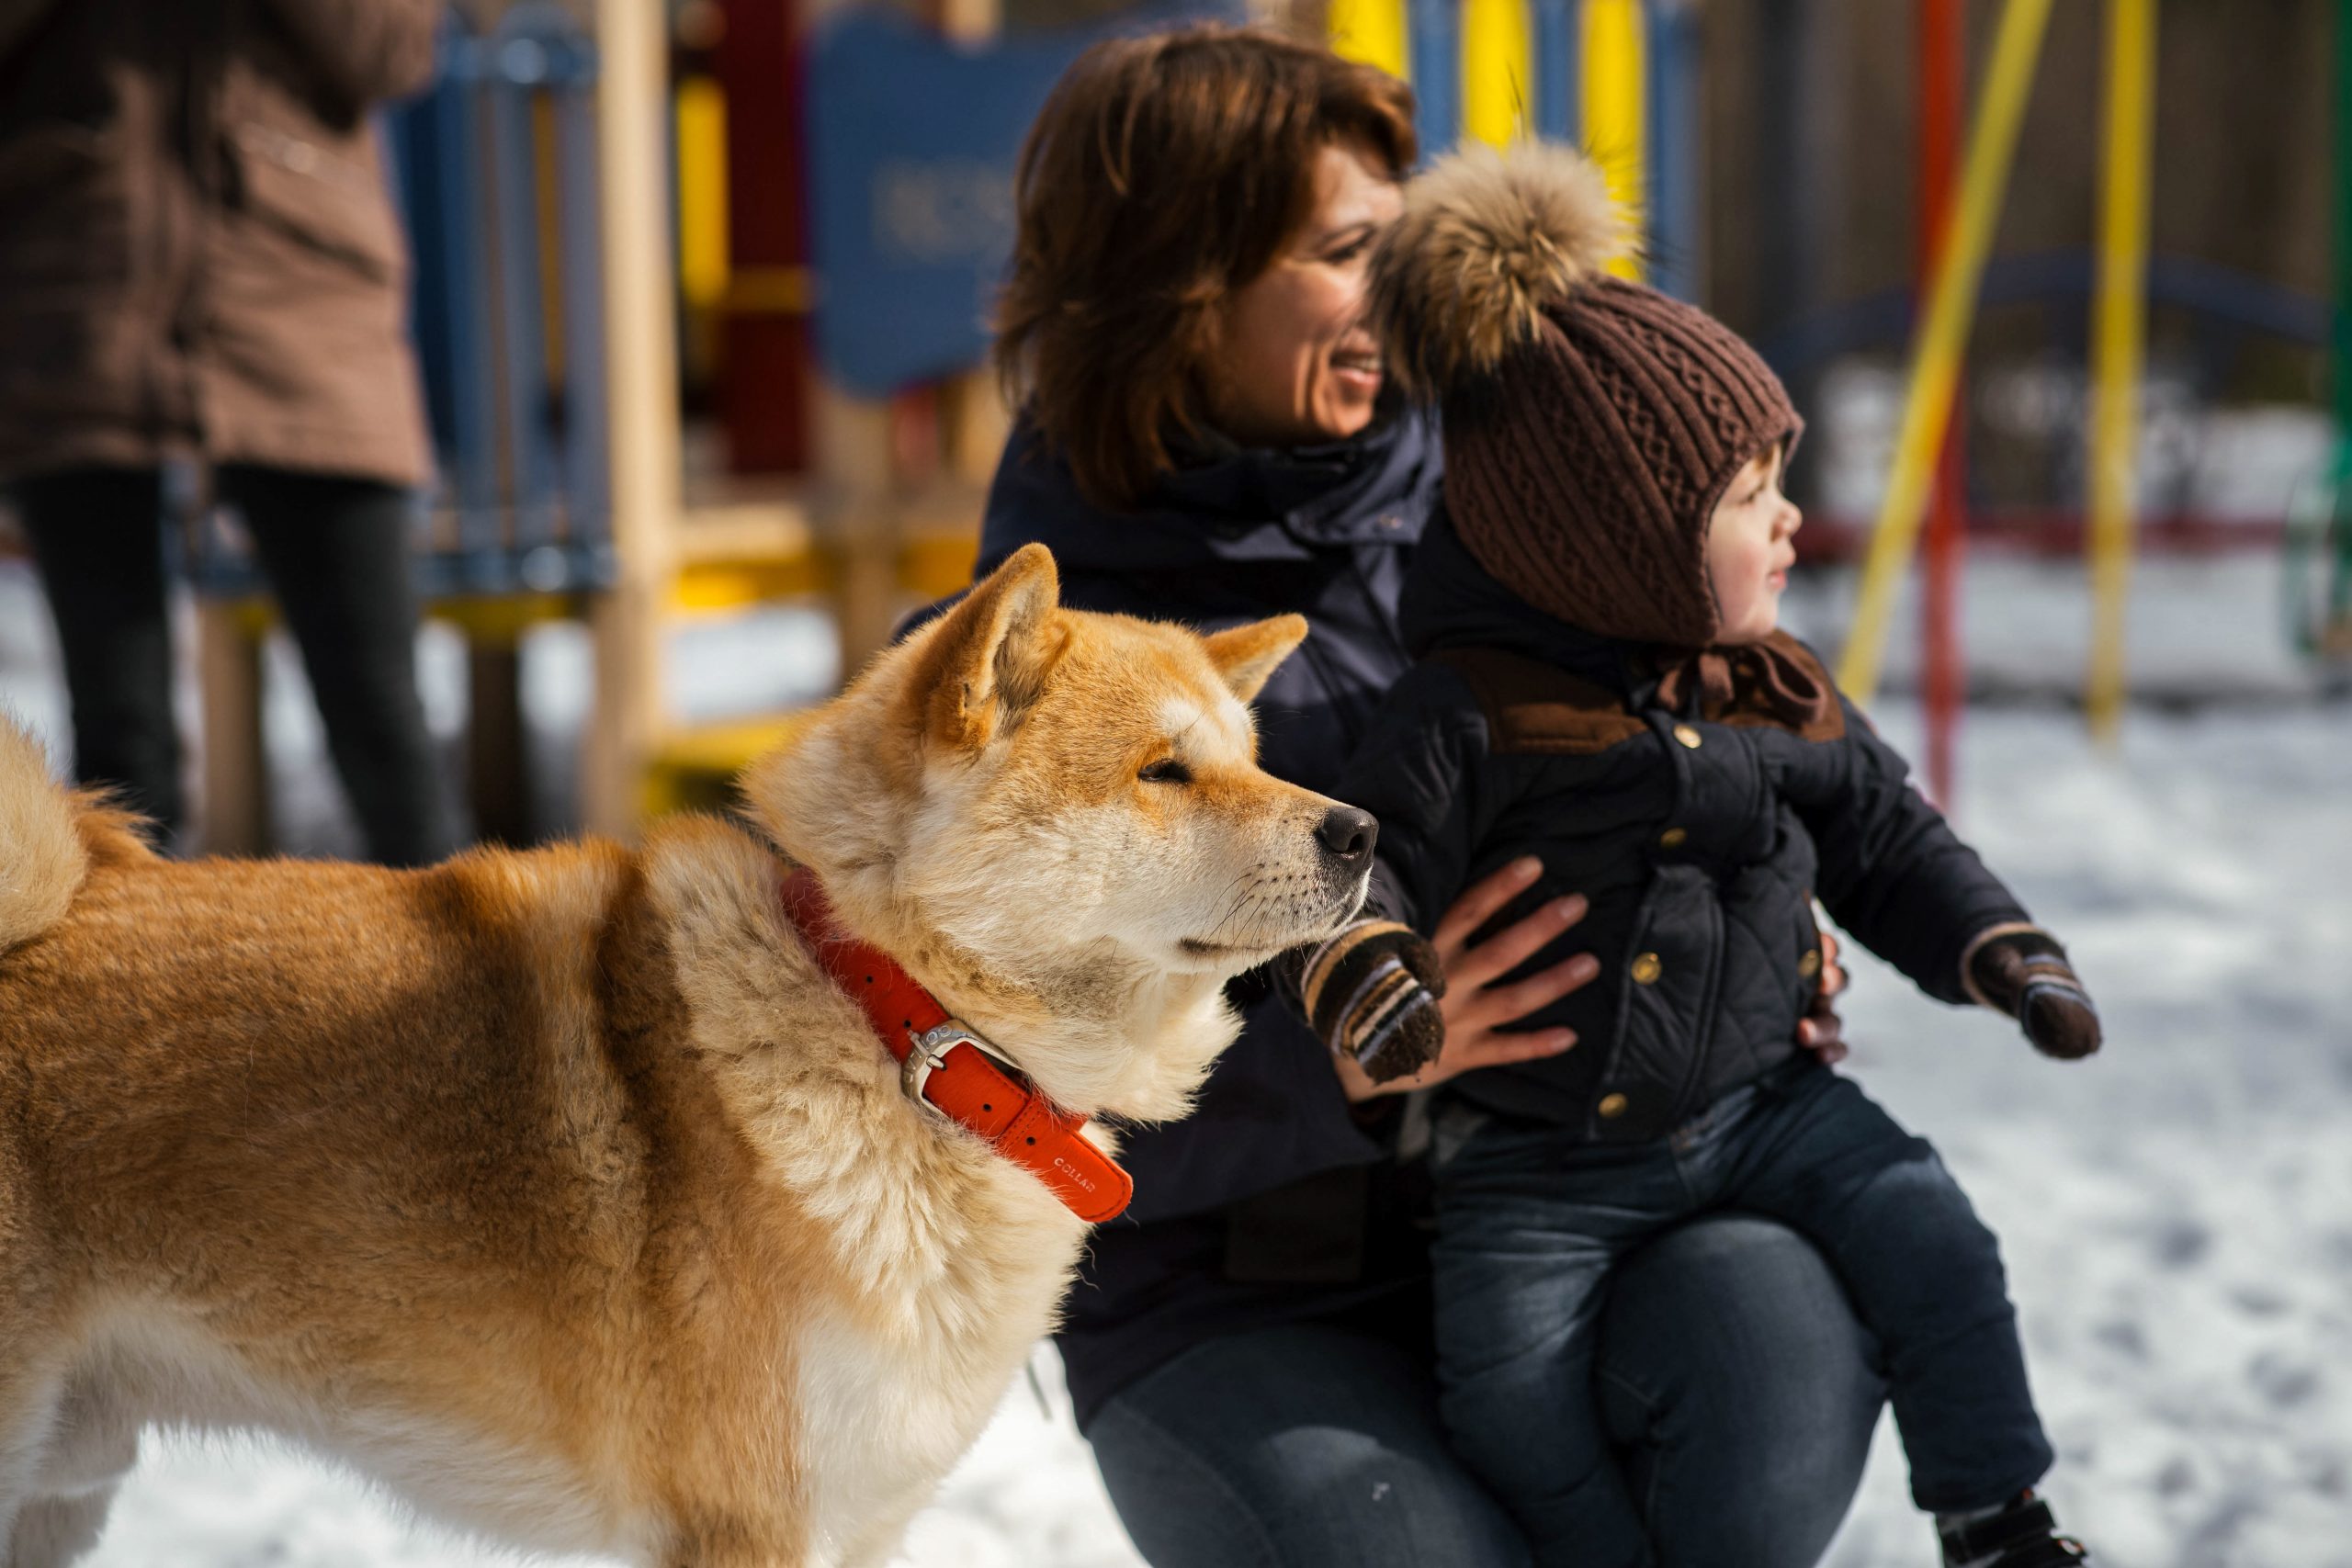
x: 1356, y: 369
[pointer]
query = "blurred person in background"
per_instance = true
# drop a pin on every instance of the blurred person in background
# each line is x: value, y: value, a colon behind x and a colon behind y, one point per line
x: 1207, y: 433
x: 198, y: 255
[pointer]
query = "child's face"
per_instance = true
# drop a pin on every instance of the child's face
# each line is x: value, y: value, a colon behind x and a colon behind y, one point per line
x: 1749, y: 553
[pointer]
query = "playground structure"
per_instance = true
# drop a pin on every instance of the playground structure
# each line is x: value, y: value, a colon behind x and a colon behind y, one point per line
x: 496, y: 172
x: 1618, y: 77
x: 546, y: 316
x: 549, y: 311
x: 1956, y: 224
x: 2319, y: 575
x: 544, y: 320
x: 1622, y: 77
x: 1963, y: 240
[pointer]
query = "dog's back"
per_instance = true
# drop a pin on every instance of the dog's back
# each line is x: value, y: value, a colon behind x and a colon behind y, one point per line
x: 400, y: 1163
x: 41, y: 857
x: 43, y: 861
x: 47, y: 841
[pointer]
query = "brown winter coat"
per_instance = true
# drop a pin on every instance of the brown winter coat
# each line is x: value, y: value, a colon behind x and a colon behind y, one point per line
x: 197, y: 248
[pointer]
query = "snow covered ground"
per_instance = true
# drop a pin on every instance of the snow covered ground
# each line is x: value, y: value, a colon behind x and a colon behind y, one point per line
x: 2177, y: 1214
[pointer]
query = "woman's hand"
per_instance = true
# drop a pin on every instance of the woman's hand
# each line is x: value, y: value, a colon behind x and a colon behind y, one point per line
x: 1821, y: 1030
x: 1476, y: 1016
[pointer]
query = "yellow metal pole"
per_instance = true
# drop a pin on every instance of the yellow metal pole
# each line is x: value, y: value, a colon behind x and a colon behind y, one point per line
x: 1943, y: 333
x: 2119, y: 326
x: 1497, y: 70
x: 1616, y: 109
x: 1371, y: 32
x: 701, y: 131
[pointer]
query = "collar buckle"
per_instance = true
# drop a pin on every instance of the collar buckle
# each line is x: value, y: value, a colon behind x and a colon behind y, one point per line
x: 929, y: 1053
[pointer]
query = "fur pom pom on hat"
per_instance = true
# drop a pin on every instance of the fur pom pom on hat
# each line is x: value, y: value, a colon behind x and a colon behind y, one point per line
x: 1591, y: 423
x: 1485, y: 244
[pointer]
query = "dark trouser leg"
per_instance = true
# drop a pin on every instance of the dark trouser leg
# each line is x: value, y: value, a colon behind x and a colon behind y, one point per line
x: 1738, y: 1388
x: 1528, y: 1229
x: 1301, y: 1446
x: 1924, y: 1273
x: 97, y: 534
x: 336, y: 552
x: 1740, y: 1393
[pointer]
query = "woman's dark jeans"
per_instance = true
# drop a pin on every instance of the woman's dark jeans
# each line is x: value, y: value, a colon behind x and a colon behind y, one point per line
x: 337, y: 551
x: 1738, y: 1388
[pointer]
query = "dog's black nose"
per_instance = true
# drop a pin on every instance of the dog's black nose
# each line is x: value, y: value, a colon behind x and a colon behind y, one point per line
x: 1349, y: 834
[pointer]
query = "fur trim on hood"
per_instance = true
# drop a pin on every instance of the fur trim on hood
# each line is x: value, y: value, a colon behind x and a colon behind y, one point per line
x: 1489, y: 240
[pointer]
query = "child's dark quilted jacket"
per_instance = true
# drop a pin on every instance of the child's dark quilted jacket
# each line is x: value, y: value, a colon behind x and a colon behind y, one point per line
x: 1701, y: 835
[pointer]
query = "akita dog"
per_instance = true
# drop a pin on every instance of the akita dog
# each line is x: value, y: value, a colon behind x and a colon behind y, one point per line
x: 574, y: 1193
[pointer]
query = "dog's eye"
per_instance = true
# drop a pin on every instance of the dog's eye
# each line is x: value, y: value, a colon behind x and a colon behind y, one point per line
x: 1168, y: 770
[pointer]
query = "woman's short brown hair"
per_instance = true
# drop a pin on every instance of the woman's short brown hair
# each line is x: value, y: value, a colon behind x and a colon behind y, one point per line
x: 1164, y: 172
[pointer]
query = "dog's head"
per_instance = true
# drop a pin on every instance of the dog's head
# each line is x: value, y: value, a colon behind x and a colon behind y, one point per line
x: 1056, y: 820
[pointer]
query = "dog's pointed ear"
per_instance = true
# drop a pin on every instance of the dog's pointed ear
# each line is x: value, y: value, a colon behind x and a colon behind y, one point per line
x: 987, y: 662
x: 1245, y: 656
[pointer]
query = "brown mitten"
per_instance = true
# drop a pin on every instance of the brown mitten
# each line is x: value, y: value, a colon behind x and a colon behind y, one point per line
x: 1372, y: 992
x: 2022, y: 971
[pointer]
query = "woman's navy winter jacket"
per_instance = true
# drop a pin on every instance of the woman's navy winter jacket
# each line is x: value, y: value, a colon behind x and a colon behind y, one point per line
x: 1700, y: 841
x: 1273, y: 1153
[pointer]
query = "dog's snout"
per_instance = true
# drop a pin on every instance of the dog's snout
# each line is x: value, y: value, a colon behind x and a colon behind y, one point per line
x: 1348, y: 834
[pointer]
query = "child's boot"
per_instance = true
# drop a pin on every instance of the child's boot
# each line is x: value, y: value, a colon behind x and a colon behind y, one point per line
x: 2019, y: 1533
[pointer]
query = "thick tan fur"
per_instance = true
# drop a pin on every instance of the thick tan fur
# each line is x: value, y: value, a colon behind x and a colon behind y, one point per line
x: 41, y: 860
x: 560, y: 1190
x: 1489, y: 240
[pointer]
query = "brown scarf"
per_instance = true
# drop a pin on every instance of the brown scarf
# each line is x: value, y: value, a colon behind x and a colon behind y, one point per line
x: 1773, y: 678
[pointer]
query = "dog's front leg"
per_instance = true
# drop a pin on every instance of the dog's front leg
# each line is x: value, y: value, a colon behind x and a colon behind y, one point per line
x: 733, y: 1545
x: 873, y: 1545
x: 51, y: 1532
x: 735, y: 1549
x: 731, y: 1557
x: 91, y: 1442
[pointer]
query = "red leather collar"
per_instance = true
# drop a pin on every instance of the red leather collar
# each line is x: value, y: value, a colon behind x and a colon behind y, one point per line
x: 952, y: 1070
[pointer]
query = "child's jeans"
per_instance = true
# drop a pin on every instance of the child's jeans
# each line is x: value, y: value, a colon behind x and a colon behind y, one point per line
x: 1529, y: 1222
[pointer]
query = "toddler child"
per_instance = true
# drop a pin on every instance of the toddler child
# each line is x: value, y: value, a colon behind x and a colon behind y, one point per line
x: 1602, y: 683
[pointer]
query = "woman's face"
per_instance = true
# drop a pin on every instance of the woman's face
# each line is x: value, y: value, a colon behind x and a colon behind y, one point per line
x: 1299, y: 364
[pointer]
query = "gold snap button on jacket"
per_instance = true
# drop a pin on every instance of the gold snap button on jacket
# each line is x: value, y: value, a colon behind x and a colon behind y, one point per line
x: 1687, y: 736
x: 1810, y: 964
x: 1610, y: 1106
x: 1646, y: 968
x: 1672, y: 838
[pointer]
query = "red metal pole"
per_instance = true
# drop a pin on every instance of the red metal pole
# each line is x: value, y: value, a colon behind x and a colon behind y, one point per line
x: 766, y: 353
x: 1943, y: 73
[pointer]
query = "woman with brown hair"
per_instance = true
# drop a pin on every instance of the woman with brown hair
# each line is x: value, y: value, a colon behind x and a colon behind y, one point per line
x: 1207, y: 434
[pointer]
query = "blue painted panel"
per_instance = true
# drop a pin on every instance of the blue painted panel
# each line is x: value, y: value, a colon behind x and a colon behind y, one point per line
x: 1676, y: 214
x: 913, y: 142
x: 1558, y: 115
x: 588, y: 501
x: 1433, y: 41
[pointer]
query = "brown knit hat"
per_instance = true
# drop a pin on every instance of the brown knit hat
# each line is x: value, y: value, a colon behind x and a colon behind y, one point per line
x: 1591, y: 425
